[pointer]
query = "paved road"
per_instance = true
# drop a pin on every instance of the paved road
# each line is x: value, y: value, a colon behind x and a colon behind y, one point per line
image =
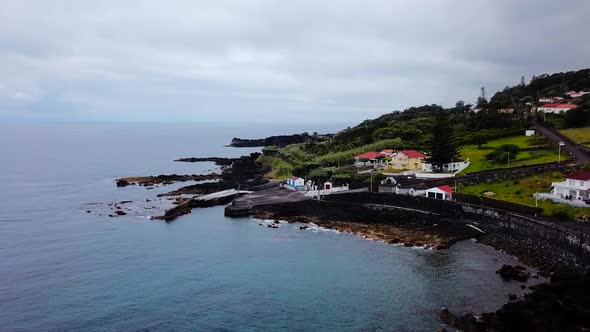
x: 271, y: 196
x: 579, y: 156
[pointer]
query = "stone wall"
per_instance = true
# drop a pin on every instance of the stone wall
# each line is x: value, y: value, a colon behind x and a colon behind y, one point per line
x: 486, y: 218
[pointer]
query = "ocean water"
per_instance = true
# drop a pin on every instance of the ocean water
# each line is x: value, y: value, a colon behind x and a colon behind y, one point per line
x: 63, y: 269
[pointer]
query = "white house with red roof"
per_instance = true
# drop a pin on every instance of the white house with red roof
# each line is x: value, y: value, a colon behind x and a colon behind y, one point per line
x: 576, y: 186
x: 575, y: 94
x: 373, y: 158
x: 556, y: 108
x: 407, y: 159
x: 442, y: 192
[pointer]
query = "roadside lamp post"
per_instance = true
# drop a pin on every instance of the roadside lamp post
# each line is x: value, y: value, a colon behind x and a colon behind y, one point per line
x: 559, y: 152
x: 318, y: 185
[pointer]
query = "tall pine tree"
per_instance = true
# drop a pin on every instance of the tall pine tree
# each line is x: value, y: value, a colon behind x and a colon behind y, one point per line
x: 443, y: 149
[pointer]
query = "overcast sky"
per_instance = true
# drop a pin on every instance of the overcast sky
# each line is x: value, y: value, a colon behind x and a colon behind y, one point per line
x: 269, y: 61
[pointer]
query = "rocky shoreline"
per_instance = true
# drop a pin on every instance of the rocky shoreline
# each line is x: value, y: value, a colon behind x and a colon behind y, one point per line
x: 409, y: 227
x: 150, y: 181
x: 562, y: 304
x: 244, y: 172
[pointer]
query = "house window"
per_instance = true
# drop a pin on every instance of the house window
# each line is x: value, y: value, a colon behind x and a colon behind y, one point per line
x: 581, y: 183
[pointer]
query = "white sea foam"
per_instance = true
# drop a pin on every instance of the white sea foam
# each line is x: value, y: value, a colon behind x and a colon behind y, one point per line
x: 316, y: 228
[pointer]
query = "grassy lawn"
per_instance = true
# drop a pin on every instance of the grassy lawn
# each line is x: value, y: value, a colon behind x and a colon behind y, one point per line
x: 521, y: 191
x: 578, y: 135
x: 523, y: 142
x: 478, y: 161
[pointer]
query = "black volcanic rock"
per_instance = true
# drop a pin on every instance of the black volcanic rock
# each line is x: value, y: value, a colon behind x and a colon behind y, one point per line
x: 509, y: 272
x: 278, y: 141
x: 122, y: 183
x: 217, y: 160
x: 244, y: 171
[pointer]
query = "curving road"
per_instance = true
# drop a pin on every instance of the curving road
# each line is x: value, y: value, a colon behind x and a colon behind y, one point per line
x: 580, y: 157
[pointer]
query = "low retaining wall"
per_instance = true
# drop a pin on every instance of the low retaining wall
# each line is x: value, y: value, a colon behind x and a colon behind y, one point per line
x: 498, y: 204
x: 489, y: 219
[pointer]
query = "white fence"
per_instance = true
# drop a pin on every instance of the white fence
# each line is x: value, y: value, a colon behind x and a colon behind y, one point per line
x: 334, y: 190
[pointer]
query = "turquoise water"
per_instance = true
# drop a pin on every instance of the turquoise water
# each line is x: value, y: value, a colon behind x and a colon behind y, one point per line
x: 65, y: 269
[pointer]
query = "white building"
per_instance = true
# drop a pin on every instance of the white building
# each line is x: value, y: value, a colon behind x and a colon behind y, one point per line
x: 442, y: 192
x: 530, y: 132
x: 550, y: 99
x: 453, y: 167
x: 295, y: 182
x: 575, y: 94
x: 556, y: 108
x: 506, y: 110
x: 373, y: 158
x: 576, y: 186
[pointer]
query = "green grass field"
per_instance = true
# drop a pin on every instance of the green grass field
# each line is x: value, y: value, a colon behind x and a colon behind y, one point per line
x: 521, y: 192
x: 578, y: 135
x: 543, y: 153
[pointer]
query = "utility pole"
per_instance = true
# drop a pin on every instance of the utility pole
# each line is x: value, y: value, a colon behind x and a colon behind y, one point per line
x: 318, y: 190
x: 559, y: 152
x: 371, y: 180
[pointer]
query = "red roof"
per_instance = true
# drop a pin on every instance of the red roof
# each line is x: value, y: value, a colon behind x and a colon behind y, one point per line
x: 294, y: 178
x: 447, y: 189
x: 387, y: 151
x: 560, y: 105
x: 580, y: 175
x: 369, y: 155
x: 413, y: 153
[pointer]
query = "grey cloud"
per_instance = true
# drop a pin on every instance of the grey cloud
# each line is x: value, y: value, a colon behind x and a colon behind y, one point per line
x: 277, y: 60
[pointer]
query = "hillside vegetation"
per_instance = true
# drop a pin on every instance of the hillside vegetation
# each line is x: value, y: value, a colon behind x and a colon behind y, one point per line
x: 476, y: 131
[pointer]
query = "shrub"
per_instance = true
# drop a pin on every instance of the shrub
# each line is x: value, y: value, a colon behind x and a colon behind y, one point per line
x: 340, y: 179
x: 502, y: 153
x: 318, y: 174
x: 562, y: 212
x: 282, y: 169
x: 300, y: 171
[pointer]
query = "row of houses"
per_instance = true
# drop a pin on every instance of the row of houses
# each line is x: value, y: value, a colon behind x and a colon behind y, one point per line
x: 557, y: 100
x: 410, y: 160
x: 556, y: 108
